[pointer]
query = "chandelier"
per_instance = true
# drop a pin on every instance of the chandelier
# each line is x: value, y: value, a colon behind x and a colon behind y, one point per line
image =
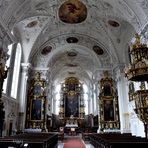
x: 137, y: 71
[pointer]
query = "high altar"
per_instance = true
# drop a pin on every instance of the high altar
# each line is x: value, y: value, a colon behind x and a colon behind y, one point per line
x: 72, y: 103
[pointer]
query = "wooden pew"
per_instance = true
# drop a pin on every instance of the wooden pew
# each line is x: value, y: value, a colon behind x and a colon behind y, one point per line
x: 37, y: 140
x: 117, y: 140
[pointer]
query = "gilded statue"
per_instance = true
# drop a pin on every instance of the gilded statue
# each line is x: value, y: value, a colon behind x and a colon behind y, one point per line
x: 3, y: 75
x: 138, y: 43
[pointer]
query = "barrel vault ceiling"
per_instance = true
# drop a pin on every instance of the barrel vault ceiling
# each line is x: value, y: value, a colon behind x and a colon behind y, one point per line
x: 74, y: 37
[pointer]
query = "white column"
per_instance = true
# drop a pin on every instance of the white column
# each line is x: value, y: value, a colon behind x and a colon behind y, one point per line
x: 96, y: 98
x: 48, y: 93
x: 91, y: 103
x: 22, y: 95
x: 123, y: 98
x: 91, y: 99
x: 54, y: 105
x: 89, y: 106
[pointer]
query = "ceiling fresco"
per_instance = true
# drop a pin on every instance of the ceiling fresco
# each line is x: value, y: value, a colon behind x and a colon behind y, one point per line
x: 72, y: 11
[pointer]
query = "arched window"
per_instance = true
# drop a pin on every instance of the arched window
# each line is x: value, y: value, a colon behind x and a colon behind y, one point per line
x: 57, y: 98
x: 16, y: 71
x: 85, y: 88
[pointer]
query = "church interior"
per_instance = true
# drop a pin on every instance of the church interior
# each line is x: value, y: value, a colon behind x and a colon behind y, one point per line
x: 73, y: 67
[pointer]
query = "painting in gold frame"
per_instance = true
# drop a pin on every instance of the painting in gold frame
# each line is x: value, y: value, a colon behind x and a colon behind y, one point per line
x: 36, y: 109
x: 108, y: 110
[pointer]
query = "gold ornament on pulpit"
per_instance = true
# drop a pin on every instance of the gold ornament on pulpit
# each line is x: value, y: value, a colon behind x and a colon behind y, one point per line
x: 137, y: 71
x: 138, y: 68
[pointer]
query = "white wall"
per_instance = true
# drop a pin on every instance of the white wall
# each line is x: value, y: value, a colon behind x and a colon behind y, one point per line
x: 136, y: 126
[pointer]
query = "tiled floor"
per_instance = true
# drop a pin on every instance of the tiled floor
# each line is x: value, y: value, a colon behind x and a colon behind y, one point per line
x: 61, y: 143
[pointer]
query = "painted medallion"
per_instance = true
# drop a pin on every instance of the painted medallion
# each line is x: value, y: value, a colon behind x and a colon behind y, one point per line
x: 72, y: 11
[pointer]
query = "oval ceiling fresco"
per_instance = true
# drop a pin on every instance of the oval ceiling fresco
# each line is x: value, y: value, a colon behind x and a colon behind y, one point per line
x: 46, y: 50
x: 98, y: 50
x: 72, y: 40
x: 72, y: 11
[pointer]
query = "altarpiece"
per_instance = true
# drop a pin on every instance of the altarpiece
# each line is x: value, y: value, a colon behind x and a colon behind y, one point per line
x: 71, y: 102
x: 108, y: 104
x: 36, y: 101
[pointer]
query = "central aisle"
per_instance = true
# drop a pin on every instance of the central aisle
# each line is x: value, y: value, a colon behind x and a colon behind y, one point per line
x: 74, y: 143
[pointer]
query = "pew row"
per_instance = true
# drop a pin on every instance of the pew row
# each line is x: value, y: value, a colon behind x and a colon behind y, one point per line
x: 33, y: 140
x: 116, y: 140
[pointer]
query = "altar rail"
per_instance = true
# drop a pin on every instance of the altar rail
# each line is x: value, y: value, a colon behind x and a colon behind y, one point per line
x: 116, y: 140
x: 34, y: 140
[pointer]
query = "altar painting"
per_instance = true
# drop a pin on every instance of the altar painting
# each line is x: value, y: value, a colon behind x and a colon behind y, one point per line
x: 36, y: 109
x: 72, y: 105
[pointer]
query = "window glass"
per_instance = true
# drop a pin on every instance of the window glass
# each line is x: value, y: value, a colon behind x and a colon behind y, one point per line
x: 85, y: 88
x: 57, y: 104
x: 16, y: 72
